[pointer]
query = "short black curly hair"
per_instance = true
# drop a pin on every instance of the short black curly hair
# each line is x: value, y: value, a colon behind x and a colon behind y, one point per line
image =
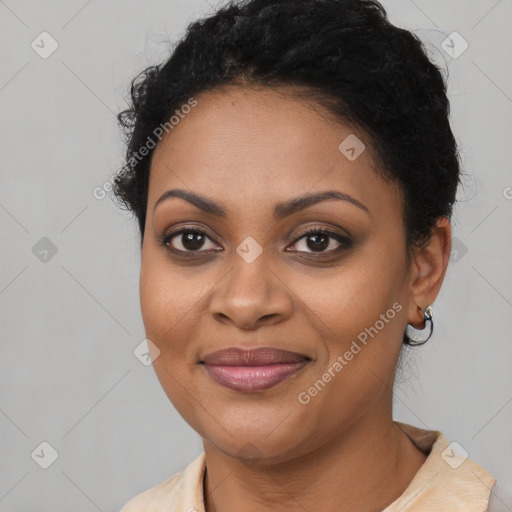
x: 346, y: 56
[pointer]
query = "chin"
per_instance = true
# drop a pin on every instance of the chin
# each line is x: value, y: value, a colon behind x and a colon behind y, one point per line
x: 256, y: 450
x: 254, y: 438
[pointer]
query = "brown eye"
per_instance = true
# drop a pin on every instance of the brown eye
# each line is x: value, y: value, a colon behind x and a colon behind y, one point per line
x: 318, y: 240
x: 191, y: 241
x: 188, y: 240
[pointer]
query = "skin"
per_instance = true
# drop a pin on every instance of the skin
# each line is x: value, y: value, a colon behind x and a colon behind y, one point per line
x: 248, y: 150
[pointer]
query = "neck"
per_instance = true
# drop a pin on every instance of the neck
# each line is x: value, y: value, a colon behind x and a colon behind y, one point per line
x: 364, y: 469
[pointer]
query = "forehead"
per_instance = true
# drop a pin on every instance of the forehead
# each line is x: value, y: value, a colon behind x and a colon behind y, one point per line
x: 252, y: 145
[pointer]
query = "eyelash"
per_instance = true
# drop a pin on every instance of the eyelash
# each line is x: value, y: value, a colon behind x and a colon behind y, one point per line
x: 345, y: 242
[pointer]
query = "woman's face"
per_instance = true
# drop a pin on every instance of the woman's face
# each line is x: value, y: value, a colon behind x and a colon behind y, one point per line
x: 254, y: 279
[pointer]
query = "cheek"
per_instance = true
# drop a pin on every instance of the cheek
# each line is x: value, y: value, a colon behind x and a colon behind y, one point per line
x: 353, y: 296
x: 167, y: 301
x: 359, y: 312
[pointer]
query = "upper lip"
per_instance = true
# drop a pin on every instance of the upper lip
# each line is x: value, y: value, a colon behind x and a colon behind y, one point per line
x: 261, y: 356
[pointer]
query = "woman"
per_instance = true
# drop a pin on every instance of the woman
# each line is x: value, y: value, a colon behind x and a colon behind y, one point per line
x: 293, y: 173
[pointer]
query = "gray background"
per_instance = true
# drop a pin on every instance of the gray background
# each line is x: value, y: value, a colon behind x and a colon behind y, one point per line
x: 70, y: 321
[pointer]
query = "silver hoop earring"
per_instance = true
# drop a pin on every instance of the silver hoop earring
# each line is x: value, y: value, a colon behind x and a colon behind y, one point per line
x: 428, y: 315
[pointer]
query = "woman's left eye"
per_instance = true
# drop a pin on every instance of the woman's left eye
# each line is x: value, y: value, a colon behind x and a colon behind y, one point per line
x: 320, y: 241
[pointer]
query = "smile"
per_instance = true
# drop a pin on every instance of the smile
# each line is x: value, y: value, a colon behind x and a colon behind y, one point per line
x: 254, y: 369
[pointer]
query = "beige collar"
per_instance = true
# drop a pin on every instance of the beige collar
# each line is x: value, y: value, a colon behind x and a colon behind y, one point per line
x: 446, y: 481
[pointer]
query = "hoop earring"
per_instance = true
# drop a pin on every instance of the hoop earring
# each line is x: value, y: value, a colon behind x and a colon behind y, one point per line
x: 428, y: 315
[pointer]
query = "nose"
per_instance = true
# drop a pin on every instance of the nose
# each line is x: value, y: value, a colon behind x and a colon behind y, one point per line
x: 251, y: 295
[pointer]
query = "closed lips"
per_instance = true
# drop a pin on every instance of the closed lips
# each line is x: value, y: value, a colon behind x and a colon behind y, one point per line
x: 252, y: 357
x: 252, y: 370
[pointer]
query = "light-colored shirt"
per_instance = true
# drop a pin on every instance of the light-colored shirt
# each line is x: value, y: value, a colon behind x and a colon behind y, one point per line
x: 446, y: 482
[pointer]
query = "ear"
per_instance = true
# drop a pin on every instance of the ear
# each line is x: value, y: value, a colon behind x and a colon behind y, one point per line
x: 428, y: 269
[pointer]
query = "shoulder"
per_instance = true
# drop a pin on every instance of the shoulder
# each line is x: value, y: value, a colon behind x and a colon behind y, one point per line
x: 180, y: 490
x: 148, y: 500
x: 447, y: 481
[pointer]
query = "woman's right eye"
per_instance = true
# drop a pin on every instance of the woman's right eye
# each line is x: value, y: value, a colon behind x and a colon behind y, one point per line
x: 188, y: 240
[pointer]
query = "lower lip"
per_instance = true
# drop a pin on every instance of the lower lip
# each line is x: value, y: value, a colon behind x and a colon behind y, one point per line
x: 253, y: 378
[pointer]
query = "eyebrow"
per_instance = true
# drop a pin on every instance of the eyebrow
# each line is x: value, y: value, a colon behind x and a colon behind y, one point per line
x: 281, y: 210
